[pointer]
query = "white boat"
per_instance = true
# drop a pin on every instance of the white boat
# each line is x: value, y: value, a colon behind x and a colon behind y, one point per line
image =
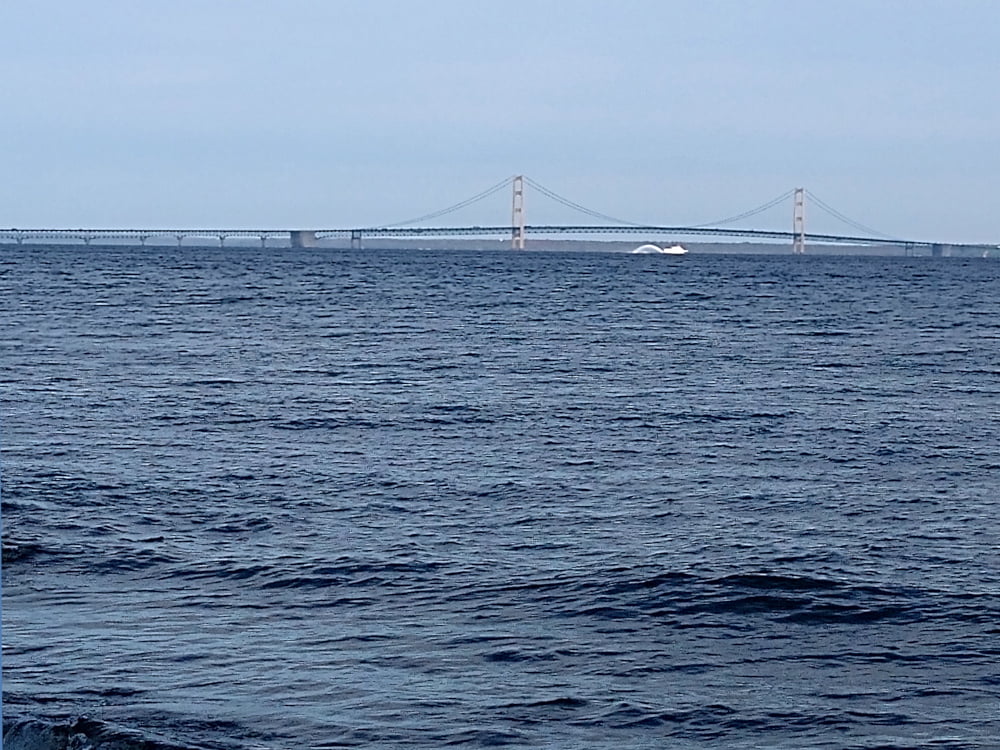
x: 657, y: 250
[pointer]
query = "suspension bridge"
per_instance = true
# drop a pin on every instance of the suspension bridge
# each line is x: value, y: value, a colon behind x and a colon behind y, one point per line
x: 518, y: 230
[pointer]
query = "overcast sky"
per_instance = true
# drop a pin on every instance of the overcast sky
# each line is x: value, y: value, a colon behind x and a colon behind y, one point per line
x: 324, y: 113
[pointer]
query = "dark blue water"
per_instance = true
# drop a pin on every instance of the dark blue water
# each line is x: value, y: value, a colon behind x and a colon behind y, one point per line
x: 316, y: 499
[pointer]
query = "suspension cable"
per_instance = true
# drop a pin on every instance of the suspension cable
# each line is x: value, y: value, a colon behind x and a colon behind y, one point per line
x: 578, y: 207
x: 551, y: 194
x: 456, y: 207
x: 845, y: 219
x: 598, y: 215
x: 747, y: 214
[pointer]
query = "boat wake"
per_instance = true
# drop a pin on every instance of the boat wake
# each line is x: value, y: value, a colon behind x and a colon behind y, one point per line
x: 657, y: 250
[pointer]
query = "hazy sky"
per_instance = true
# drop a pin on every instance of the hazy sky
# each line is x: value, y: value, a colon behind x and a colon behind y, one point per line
x: 323, y: 113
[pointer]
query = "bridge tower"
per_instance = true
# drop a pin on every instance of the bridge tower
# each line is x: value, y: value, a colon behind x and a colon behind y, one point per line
x: 517, y: 214
x: 799, y: 222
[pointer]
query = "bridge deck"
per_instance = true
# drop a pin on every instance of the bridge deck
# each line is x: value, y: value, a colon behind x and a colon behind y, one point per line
x: 359, y: 233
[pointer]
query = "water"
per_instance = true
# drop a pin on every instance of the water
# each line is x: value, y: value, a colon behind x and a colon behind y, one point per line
x: 316, y: 499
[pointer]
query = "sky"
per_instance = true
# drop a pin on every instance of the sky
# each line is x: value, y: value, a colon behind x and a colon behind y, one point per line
x: 330, y: 113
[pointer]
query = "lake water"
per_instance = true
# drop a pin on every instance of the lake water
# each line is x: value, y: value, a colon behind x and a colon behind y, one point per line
x: 315, y: 499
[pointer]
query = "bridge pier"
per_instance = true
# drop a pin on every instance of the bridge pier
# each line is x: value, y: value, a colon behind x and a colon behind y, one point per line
x: 357, y: 239
x: 303, y: 238
x: 180, y: 239
x: 222, y: 240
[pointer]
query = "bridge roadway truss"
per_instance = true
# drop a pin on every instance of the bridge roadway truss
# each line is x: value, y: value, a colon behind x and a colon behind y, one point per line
x: 358, y: 235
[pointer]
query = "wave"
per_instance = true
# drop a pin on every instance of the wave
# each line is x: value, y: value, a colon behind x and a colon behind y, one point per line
x: 22, y: 733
